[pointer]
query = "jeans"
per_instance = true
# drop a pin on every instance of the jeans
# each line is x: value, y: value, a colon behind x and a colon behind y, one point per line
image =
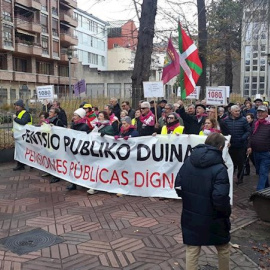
x: 193, y: 253
x: 262, y: 164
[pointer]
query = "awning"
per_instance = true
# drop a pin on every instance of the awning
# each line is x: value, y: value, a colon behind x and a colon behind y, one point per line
x: 25, y: 32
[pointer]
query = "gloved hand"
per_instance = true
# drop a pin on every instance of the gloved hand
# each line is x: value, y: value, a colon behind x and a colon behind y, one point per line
x: 126, y: 138
x: 116, y: 137
x: 102, y: 134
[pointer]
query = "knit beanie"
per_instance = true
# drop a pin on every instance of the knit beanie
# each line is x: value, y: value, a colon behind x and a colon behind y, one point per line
x: 81, y: 112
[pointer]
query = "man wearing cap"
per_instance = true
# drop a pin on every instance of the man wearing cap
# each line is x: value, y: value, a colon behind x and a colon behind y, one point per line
x: 258, y: 102
x: 259, y: 144
x: 192, y: 123
x: 22, y: 117
x: 239, y: 129
x: 90, y: 116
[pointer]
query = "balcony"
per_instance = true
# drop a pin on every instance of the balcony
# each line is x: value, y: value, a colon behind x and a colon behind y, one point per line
x: 63, y: 80
x: 34, y: 4
x: 8, y: 75
x: 24, y: 76
x: 42, y: 78
x: 53, y: 79
x: 68, y: 19
x: 25, y: 24
x: 67, y: 39
x: 64, y: 58
x: 71, y: 3
x: 30, y: 49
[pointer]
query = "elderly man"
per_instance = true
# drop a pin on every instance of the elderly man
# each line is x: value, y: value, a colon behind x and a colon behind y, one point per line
x: 115, y: 107
x: 146, y: 122
x: 259, y: 144
x: 191, y: 109
x: 239, y: 130
x: 192, y: 123
x: 23, y: 118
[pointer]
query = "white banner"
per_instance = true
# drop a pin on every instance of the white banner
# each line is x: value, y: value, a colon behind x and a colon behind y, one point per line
x: 142, y: 166
x: 153, y: 89
x: 195, y: 94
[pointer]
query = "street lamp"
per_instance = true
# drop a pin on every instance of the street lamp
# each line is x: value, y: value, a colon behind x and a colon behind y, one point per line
x: 69, y: 55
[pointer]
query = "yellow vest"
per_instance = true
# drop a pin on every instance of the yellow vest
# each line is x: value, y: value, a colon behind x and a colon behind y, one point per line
x: 178, y: 130
x: 133, y: 121
x: 20, y: 115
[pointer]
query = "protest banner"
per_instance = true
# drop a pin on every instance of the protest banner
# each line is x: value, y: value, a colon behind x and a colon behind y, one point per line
x: 216, y: 96
x: 45, y: 92
x: 141, y: 166
x: 153, y: 89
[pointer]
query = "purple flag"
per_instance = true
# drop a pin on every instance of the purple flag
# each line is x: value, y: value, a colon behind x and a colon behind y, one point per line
x: 82, y: 86
x: 77, y: 89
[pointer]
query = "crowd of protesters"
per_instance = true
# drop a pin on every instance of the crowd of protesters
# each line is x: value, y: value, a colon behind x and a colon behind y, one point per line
x: 247, y: 124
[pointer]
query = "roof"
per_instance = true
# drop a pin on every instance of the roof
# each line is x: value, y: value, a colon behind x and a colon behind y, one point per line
x: 90, y: 15
x: 115, y: 24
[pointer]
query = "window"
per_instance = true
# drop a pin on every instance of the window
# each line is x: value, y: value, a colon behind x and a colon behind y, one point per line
x: 63, y: 71
x: 44, y: 23
x: 7, y: 35
x: 44, y: 45
x: 246, y: 83
x: 262, y: 48
x: 54, y: 7
x: 3, y: 61
x: 262, y: 65
x: 254, y: 83
x: 44, y: 5
x: 20, y: 64
x: 44, y: 68
x: 55, y: 48
x: 247, y: 52
x: 7, y: 16
x: 55, y: 27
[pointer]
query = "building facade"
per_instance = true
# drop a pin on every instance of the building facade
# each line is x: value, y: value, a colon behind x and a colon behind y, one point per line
x: 255, y: 50
x: 34, y: 39
x: 92, y: 40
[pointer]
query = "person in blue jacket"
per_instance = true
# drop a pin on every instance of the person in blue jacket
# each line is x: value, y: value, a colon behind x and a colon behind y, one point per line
x: 203, y: 184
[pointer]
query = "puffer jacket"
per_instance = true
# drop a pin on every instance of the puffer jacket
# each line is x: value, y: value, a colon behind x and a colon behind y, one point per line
x: 239, y: 129
x: 204, y: 184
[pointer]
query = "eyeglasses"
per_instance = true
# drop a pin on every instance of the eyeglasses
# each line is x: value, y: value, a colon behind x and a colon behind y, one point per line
x: 144, y: 108
x: 170, y: 117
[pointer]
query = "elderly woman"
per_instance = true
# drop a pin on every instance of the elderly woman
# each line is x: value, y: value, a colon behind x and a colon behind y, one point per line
x: 172, y: 125
x: 78, y: 123
x: 53, y: 118
x: 127, y: 130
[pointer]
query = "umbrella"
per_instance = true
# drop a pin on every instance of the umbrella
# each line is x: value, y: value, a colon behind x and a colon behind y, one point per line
x: 241, y: 174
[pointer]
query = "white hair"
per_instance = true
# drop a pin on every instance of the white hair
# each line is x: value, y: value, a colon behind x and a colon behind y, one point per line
x: 235, y: 107
x: 145, y: 104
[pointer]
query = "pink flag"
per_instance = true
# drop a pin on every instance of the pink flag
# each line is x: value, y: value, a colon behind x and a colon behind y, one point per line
x: 171, y: 63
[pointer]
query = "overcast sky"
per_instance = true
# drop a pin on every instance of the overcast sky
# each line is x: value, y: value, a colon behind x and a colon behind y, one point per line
x: 111, y: 10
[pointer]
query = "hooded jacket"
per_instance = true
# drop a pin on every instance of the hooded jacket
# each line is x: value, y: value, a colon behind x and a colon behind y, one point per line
x: 204, y: 187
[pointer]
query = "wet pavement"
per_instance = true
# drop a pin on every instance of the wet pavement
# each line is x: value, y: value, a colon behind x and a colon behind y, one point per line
x: 102, y: 231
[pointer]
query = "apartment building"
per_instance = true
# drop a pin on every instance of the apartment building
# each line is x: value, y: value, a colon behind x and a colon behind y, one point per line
x: 92, y: 40
x: 35, y: 37
x: 255, y: 77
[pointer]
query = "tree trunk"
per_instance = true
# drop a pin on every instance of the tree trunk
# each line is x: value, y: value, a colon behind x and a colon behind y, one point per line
x: 141, y: 71
x: 202, y: 44
x: 228, y: 66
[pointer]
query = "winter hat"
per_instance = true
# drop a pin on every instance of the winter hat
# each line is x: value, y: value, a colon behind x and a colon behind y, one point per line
x: 127, y: 119
x: 81, y: 112
x: 19, y: 103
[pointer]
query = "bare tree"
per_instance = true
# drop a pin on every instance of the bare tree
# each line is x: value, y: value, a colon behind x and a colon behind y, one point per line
x: 141, y: 71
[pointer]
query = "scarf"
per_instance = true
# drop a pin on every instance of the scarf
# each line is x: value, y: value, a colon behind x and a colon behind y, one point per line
x: 172, y: 126
x: 123, y: 131
x: 81, y: 120
x: 258, y: 123
x: 91, y: 114
x: 101, y: 124
x: 201, y: 115
x: 209, y: 131
x: 148, y: 120
x: 112, y: 118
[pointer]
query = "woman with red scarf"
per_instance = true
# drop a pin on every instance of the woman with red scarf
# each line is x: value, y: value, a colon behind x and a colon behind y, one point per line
x: 127, y: 130
x: 210, y: 126
x: 172, y: 125
x: 90, y: 116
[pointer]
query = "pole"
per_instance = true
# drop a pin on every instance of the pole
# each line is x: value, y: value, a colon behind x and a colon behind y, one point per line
x: 69, y: 74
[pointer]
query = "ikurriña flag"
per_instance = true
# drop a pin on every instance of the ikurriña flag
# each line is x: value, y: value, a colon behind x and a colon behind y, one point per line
x: 171, y: 63
x: 190, y: 63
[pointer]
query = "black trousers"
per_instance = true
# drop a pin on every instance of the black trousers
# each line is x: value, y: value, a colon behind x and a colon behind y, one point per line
x: 238, y: 156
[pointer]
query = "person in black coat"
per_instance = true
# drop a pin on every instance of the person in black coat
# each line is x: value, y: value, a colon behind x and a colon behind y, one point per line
x: 127, y: 130
x: 203, y: 184
x: 62, y: 114
x: 78, y: 123
x: 239, y: 129
x: 53, y: 118
x: 193, y: 123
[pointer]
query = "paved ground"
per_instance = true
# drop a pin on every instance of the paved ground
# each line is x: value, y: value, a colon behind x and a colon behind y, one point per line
x: 103, y: 231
